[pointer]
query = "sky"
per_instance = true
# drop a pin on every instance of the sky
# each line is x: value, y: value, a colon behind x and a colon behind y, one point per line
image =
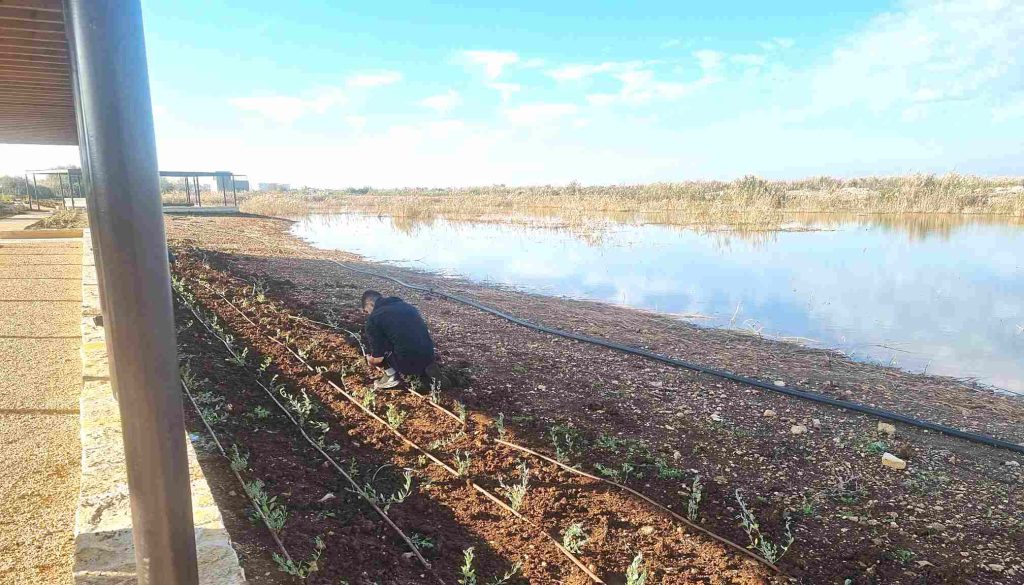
x: 391, y: 94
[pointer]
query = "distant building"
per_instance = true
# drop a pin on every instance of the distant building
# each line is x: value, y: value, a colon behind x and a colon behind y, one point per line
x: 275, y: 187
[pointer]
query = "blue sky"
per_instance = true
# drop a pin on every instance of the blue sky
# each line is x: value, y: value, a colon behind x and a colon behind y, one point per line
x: 415, y: 93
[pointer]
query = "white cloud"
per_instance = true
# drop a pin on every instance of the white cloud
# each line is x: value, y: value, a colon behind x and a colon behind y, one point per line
x: 641, y: 87
x: 927, y: 52
x: 539, y: 114
x: 671, y: 43
x: 777, y: 43
x: 578, y: 71
x: 356, y: 122
x: 749, y: 59
x: 493, y: 61
x: 374, y: 79
x: 708, y: 59
x: 287, y: 109
x: 444, y: 102
x: 505, y: 89
x: 1009, y: 111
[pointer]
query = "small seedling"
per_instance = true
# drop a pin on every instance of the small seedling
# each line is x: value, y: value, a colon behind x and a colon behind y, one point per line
x: 462, y: 463
x: 620, y: 475
x: 369, y: 398
x: 188, y: 376
x: 696, y: 493
x: 421, y: 542
x: 877, y: 447
x: 508, y: 574
x: 567, y: 441
x: 636, y: 573
x: 467, y: 570
x: 304, y: 568
x: 771, y: 551
x: 516, y: 493
x: 239, y: 460
x: 237, y: 357
x: 406, y: 490
x: 460, y: 410
x: 260, y: 412
x: 266, y: 363
x: 666, y: 471
x: 275, y: 514
x: 574, y: 538
x: 396, y: 416
x: 903, y: 555
x: 302, y: 407
x: 500, y: 424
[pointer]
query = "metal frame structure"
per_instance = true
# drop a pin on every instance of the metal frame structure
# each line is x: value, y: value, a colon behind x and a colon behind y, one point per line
x: 221, y: 178
x: 75, y: 72
x: 72, y: 176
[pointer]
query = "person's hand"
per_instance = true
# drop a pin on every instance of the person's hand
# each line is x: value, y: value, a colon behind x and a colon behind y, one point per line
x: 375, y: 361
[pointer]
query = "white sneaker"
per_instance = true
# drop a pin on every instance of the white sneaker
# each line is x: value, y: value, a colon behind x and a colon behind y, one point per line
x: 387, y: 382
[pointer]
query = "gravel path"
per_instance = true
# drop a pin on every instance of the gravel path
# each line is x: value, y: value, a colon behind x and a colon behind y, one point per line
x: 40, y: 374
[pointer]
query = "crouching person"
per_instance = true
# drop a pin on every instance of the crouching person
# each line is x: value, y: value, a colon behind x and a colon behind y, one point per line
x: 397, y: 339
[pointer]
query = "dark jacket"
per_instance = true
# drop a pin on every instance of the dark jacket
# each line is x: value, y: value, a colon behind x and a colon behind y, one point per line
x: 395, y: 327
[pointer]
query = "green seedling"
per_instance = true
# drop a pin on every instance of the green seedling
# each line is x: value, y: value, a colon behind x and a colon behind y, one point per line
x: 305, y: 568
x: 516, y: 492
x: 696, y: 493
x: 421, y: 542
x: 396, y: 416
x: 574, y: 538
x: 260, y: 412
x: 771, y: 551
x: 666, y: 471
x: 239, y: 460
x: 369, y: 398
x: 636, y: 573
x: 460, y: 410
x: 462, y: 463
x: 467, y: 571
x: 266, y: 363
x: 499, y: 423
x: 274, y: 513
x: 567, y: 441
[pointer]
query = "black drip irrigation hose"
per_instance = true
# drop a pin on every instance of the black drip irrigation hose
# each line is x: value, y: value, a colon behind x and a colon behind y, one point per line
x: 802, y: 394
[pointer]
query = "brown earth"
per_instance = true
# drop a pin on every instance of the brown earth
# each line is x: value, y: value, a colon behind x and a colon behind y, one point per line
x: 952, y: 516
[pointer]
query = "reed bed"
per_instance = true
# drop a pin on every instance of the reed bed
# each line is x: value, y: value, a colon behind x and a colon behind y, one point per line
x: 751, y: 201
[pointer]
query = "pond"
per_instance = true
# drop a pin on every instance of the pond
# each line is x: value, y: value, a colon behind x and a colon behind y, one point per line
x: 945, y: 300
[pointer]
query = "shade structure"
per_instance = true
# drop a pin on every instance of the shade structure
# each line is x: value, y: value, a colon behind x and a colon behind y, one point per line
x: 36, y: 104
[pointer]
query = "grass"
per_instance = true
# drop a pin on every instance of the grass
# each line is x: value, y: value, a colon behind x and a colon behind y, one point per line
x: 750, y: 201
x: 62, y: 220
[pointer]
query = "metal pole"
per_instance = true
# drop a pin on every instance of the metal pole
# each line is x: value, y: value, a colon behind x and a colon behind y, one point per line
x: 199, y: 198
x: 114, y: 100
x: 234, y: 190
x: 28, y: 194
x: 35, y: 186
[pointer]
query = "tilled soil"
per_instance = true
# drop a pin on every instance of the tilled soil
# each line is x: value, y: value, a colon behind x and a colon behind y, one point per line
x: 952, y: 516
x: 620, y: 527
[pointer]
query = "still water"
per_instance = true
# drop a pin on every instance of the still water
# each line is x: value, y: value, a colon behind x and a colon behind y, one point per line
x: 948, y: 301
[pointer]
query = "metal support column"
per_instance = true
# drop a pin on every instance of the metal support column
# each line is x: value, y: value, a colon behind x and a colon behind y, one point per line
x: 114, y: 104
x: 28, y: 194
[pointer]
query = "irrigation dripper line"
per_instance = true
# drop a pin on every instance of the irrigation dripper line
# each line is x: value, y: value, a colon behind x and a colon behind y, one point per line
x: 785, y: 390
x: 629, y: 490
x: 571, y: 469
x: 259, y: 512
x: 590, y: 574
x: 802, y: 394
x: 328, y: 458
x: 650, y: 501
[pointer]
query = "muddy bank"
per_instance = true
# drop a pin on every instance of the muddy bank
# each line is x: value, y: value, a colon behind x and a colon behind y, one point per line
x: 951, y: 516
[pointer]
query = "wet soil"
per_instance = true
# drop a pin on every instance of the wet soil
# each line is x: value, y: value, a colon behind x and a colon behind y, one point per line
x: 953, y: 516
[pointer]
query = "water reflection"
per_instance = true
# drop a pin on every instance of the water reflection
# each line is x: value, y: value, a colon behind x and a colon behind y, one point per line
x: 943, y: 296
